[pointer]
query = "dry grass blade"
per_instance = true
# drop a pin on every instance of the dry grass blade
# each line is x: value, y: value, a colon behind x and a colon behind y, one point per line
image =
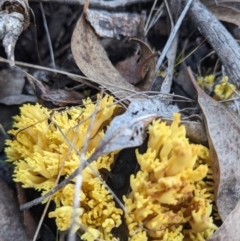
x: 172, y: 36
x: 223, y: 132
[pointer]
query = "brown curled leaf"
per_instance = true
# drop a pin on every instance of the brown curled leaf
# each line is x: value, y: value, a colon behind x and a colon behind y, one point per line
x: 139, y: 70
x: 93, y: 61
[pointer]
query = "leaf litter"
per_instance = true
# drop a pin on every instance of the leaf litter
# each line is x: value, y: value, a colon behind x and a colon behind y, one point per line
x: 93, y: 61
x: 139, y: 70
x: 131, y: 125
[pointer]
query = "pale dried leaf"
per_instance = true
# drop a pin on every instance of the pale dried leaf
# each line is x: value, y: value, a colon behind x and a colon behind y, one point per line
x: 128, y: 129
x: 223, y: 132
x: 28, y: 220
x: 11, y: 86
x: 218, y: 2
x: 59, y: 97
x: 18, y: 99
x: 130, y: 69
x: 225, y: 10
x: 93, y: 61
x: 226, y: 14
x: 114, y: 25
x: 11, y: 222
x: 148, y: 63
x: 229, y: 230
x: 11, y: 82
x: 139, y: 69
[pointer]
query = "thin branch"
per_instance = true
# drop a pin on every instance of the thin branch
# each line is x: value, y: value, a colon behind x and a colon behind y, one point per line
x: 218, y: 37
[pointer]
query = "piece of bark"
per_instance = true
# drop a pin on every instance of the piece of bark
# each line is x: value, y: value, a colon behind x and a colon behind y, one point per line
x: 14, y: 18
x: 114, y: 24
x: 18, y: 6
x: 218, y: 37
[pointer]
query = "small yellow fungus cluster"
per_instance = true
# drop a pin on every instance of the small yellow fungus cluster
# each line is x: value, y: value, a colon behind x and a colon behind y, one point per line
x: 223, y: 90
x: 41, y: 153
x: 206, y: 82
x: 168, y: 192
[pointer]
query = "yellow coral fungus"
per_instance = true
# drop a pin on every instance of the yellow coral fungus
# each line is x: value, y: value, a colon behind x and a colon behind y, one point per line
x: 220, y: 88
x: 169, y: 191
x: 224, y: 90
x: 40, y: 150
x: 63, y: 217
x: 206, y: 82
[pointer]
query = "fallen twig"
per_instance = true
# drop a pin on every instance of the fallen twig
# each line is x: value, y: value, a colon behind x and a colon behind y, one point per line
x: 218, y: 37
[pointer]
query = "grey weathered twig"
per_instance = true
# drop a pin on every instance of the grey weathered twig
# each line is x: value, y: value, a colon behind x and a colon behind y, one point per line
x: 218, y: 37
x: 97, y: 3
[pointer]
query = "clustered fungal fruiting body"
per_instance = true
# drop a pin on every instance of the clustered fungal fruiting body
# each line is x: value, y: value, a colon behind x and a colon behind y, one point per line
x: 223, y: 90
x: 168, y: 192
x: 40, y: 153
x: 172, y: 189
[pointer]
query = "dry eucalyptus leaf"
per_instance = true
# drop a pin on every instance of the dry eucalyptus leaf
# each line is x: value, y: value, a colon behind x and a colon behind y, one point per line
x: 130, y: 69
x: 223, y: 132
x: 148, y: 65
x: 112, y: 25
x: 11, y: 86
x: 59, y: 97
x: 18, y: 99
x: 139, y: 70
x: 11, y: 222
x: 28, y: 220
x: 14, y: 18
x: 225, y: 10
x: 93, y: 61
x: 128, y: 129
x: 226, y: 14
x: 229, y: 230
x: 11, y: 82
